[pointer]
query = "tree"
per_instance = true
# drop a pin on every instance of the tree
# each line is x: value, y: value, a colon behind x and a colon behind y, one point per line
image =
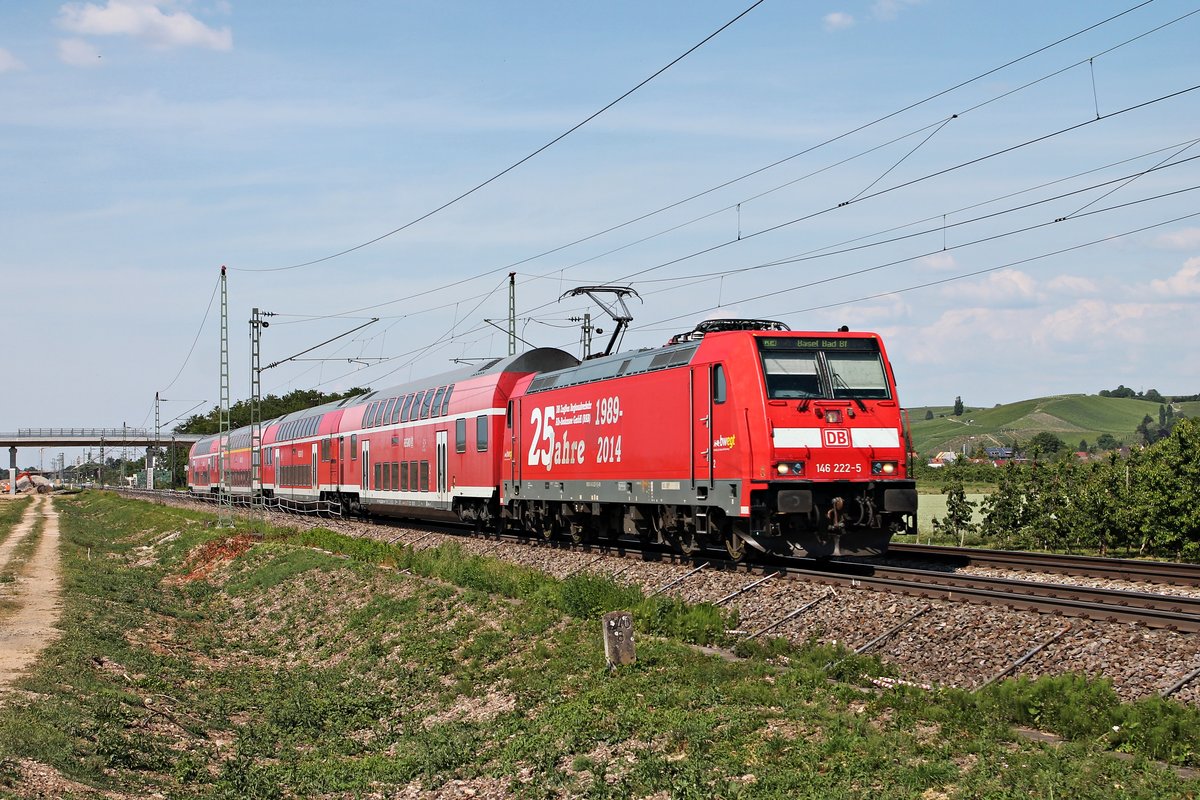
x: 1083, y: 446
x: 1106, y: 441
x: 960, y: 511
x: 1146, y: 430
x: 929, y: 413
x: 1167, y: 499
x: 1120, y: 391
x: 958, y: 407
x: 1003, y: 508
x: 272, y: 406
x: 1046, y: 442
x: 1153, y: 396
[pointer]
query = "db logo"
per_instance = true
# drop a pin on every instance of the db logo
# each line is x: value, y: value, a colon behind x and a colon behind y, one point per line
x: 836, y: 437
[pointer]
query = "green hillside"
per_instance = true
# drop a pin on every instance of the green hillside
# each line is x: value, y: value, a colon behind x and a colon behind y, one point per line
x: 1072, y: 417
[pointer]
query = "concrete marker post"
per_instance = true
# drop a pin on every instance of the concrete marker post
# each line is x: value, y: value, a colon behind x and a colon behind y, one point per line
x: 618, y: 639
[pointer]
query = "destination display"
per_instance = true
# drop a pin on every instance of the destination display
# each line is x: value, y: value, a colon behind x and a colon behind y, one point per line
x: 818, y: 343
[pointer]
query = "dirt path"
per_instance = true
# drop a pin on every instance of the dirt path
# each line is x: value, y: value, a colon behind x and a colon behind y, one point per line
x: 30, y: 628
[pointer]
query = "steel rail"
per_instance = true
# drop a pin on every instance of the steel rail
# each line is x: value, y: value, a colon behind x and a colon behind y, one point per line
x: 1106, y: 605
x: 1168, y: 572
x: 1040, y: 597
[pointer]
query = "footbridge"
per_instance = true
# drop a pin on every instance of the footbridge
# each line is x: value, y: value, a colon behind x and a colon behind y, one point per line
x: 91, y: 437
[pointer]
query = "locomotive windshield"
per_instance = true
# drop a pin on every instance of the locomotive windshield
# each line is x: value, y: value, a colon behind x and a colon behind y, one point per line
x: 838, y: 368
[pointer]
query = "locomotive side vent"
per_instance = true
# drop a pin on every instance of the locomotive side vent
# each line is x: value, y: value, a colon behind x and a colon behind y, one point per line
x: 723, y: 325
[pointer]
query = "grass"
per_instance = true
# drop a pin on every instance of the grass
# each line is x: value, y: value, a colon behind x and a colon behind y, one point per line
x: 307, y: 665
x: 1071, y: 417
x: 11, y: 512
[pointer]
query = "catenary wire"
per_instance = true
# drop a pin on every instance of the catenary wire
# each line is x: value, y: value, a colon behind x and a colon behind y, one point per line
x: 803, y: 152
x: 513, y: 166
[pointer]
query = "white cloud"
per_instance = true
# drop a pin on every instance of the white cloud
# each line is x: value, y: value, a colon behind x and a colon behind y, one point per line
x: 838, y: 21
x: 940, y: 261
x: 9, y: 62
x: 78, y: 53
x: 1184, y: 283
x: 1092, y: 320
x: 144, y: 20
x: 1072, y: 285
x: 1186, y: 239
x: 997, y: 288
x: 887, y: 10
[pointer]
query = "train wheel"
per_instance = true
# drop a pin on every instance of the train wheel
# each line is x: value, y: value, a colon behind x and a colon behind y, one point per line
x: 735, y: 545
x: 689, y: 542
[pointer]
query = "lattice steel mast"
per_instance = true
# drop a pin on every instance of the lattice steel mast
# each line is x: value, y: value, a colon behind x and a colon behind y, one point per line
x: 225, y: 500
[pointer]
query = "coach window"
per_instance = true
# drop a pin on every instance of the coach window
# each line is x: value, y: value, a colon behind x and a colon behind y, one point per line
x: 326, y: 450
x: 354, y: 447
x: 396, y: 410
x: 460, y: 436
x: 387, y: 412
x: 446, y: 400
x: 436, y: 408
x: 387, y: 477
x: 404, y: 476
x: 718, y: 383
x: 481, y: 433
x: 424, y: 476
x: 413, y: 484
x: 426, y: 403
x: 378, y: 474
x: 414, y: 413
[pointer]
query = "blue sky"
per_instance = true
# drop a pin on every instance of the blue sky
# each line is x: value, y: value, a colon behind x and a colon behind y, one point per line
x: 144, y: 143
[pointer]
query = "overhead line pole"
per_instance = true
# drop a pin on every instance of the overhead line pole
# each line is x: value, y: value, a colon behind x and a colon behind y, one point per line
x: 512, y: 313
x: 224, y: 498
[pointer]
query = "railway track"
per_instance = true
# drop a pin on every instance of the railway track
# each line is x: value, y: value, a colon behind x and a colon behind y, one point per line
x: 1167, y: 572
x: 1169, y: 612
x: 933, y: 629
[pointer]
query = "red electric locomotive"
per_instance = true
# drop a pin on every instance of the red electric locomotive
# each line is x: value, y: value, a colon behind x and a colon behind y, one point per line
x: 740, y: 433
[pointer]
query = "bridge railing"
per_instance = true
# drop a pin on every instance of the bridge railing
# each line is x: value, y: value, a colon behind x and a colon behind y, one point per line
x: 89, y: 433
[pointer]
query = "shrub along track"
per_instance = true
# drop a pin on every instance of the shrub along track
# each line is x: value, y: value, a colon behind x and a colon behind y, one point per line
x: 26, y: 629
x: 927, y: 639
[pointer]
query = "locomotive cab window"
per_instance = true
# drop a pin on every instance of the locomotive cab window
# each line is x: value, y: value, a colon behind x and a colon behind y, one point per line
x: 718, y: 383
x: 791, y: 375
x: 857, y: 376
x: 829, y: 368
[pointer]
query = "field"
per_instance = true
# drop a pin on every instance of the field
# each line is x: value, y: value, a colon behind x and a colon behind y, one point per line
x: 1072, y: 418
x: 207, y: 663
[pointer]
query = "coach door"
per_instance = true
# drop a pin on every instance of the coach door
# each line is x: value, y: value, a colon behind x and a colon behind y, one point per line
x: 316, y: 468
x: 700, y: 389
x: 442, y: 479
x: 341, y: 462
x: 364, y: 461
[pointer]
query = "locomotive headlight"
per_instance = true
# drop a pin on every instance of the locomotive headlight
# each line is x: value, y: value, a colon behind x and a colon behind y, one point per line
x: 790, y: 467
x: 883, y: 467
